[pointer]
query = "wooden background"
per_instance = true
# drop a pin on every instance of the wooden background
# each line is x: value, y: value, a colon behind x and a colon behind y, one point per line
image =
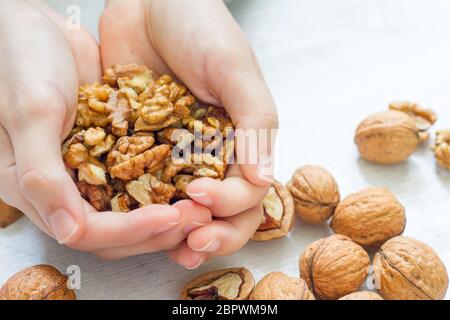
x: 329, y: 64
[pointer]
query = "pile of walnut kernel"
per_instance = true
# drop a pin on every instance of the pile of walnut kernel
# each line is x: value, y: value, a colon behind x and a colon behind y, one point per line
x: 127, y: 131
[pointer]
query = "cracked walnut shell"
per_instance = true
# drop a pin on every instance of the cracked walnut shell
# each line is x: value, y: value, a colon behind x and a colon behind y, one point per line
x: 369, y: 217
x: 387, y: 137
x: 279, y: 286
x: 362, y: 295
x: 441, y: 148
x: 278, y: 218
x: 334, y: 267
x: 227, y: 284
x: 8, y: 214
x: 41, y: 282
x: 315, y: 192
x: 407, y: 269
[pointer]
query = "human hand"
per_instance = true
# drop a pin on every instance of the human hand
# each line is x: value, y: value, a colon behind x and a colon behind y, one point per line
x: 199, y: 42
x: 41, y: 65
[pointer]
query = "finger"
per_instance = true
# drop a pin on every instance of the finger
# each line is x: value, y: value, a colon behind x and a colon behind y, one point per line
x: 42, y: 176
x: 228, y: 197
x: 193, y: 216
x: 85, y: 48
x: 224, y: 237
x: 9, y: 187
x: 114, y: 229
x: 187, y: 258
x: 119, y: 47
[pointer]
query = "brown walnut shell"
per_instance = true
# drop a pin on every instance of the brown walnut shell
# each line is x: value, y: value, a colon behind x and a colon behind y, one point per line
x: 407, y: 269
x: 278, y: 199
x: 279, y: 286
x: 41, y: 282
x: 362, y: 295
x: 387, y: 137
x: 369, y: 217
x: 202, y: 287
x: 315, y: 193
x: 334, y: 267
x: 8, y: 214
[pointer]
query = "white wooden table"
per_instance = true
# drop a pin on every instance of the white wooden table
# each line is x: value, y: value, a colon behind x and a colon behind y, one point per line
x: 329, y: 64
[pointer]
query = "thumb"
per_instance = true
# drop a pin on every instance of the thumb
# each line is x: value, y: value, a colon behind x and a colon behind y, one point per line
x: 247, y: 99
x: 44, y: 181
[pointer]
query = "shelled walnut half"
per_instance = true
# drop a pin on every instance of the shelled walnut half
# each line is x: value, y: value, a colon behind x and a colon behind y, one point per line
x: 227, y: 284
x: 334, y: 267
x: 279, y: 286
x: 8, y: 214
x: 407, y: 269
x: 41, y: 282
x: 441, y: 148
x: 315, y: 192
x: 278, y: 216
x: 369, y: 217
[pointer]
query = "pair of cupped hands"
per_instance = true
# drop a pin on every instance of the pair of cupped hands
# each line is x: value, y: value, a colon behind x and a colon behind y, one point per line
x: 42, y: 63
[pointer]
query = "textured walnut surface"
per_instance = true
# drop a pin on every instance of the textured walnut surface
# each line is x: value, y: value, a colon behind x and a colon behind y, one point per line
x: 408, y: 269
x: 127, y: 133
x: 315, y: 193
x: 387, y: 137
x: 362, y: 295
x: 441, y: 148
x: 233, y: 283
x: 369, y: 217
x: 279, y: 286
x: 334, y: 267
x: 8, y: 214
x: 41, y: 282
x: 278, y: 219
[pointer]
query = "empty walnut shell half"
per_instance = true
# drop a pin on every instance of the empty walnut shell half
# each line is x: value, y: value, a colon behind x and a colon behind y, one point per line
x: 278, y: 216
x: 362, y: 295
x: 441, y: 148
x: 334, y: 267
x: 41, y: 282
x: 227, y: 284
x: 369, y: 217
x: 387, y: 137
x: 315, y: 193
x: 8, y: 214
x: 407, y: 269
x: 279, y: 286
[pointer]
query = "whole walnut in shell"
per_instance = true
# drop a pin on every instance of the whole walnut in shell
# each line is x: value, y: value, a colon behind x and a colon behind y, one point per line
x: 334, y: 267
x: 8, y: 214
x: 407, y: 269
x: 387, y: 137
x: 226, y: 284
x: 41, y: 282
x: 369, y: 217
x: 315, y: 193
x: 362, y: 295
x: 278, y: 286
x: 278, y: 216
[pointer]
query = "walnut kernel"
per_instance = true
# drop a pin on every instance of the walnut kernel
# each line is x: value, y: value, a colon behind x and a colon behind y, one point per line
x: 441, y: 148
x: 8, y: 214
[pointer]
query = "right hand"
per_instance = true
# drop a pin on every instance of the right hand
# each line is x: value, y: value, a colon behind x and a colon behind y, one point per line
x: 42, y: 63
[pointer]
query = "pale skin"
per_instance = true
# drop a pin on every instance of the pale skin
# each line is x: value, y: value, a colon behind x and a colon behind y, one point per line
x: 42, y: 64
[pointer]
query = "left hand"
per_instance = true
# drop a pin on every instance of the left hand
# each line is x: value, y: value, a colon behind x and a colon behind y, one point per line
x: 199, y: 42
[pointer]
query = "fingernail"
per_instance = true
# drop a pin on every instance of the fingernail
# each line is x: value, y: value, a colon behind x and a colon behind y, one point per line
x: 192, y: 226
x: 203, y: 198
x: 212, y: 246
x: 265, y: 169
x: 63, y: 225
x: 173, y: 219
x: 197, y: 264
